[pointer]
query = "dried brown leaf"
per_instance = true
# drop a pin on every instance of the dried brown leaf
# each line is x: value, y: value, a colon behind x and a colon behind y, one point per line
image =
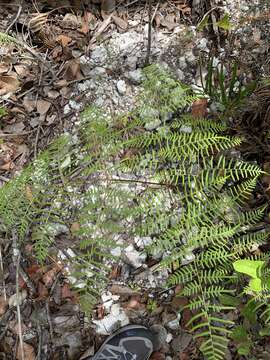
x: 7, y: 166
x: 199, y: 108
x: 100, y: 312
x: 49, y: 277
x: 73, y: 70
x: 157, y: 20
x: 75, y: 227
x: 42, y: 291
x: 4, y: 68
x: 67, y: 293
x: 21, y: 70
x: 27, y: 350
x: 15, y: 128
x: 85, y: 22
x: 63, y: 40
x: 28, y: 193
x: 29, y: 105
x: 43, y: 107
x: 120, y: 22
x: 8, y: 84
x: 3, y: 305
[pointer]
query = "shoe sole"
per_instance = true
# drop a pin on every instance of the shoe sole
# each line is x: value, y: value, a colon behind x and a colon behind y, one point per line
x: 118, y: 332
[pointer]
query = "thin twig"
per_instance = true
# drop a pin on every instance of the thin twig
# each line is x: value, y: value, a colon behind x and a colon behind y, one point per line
x: 15, y: 18
x: 36, y: 141
x: 17, y: 134
x: 29, y: 283
x: 49, y: 320
x: 149, y: 43
x: 18, y: 308
x: 2, y: 274
x: 155, y: 11
x: 39, y: 343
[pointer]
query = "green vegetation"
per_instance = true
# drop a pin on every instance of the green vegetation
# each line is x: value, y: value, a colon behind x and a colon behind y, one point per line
x: 225, y: 89
x: 175, y: 183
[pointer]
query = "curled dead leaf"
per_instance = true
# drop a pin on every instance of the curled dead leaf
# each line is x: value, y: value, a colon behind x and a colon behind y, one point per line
x: 8, y: 84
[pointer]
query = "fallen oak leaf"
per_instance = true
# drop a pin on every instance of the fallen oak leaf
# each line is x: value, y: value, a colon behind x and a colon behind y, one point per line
x: 43, y: 106
x: 8, y: 84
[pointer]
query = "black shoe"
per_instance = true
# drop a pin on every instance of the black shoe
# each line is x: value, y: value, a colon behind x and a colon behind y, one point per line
x: 132, y: 342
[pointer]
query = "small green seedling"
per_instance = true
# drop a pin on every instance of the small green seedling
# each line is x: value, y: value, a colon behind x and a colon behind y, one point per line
x: 254, y: 269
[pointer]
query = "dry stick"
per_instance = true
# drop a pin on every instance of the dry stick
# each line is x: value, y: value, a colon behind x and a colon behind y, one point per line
x: 2, y: 274
x: 39, y: 343
x: 147, y: 60
x: 15, y: 18
x: 16, y: 259
x: 29, y: 283
x: 155, y: 11
x: 18, y: 307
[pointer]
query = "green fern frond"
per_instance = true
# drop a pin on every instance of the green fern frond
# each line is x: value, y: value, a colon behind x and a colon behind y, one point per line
x: 6, y: 39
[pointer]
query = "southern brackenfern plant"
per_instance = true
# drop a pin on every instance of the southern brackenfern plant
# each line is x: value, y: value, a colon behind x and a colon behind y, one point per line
x: 192, y: 202
x: 177, y: 184
x: 200, y: 214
